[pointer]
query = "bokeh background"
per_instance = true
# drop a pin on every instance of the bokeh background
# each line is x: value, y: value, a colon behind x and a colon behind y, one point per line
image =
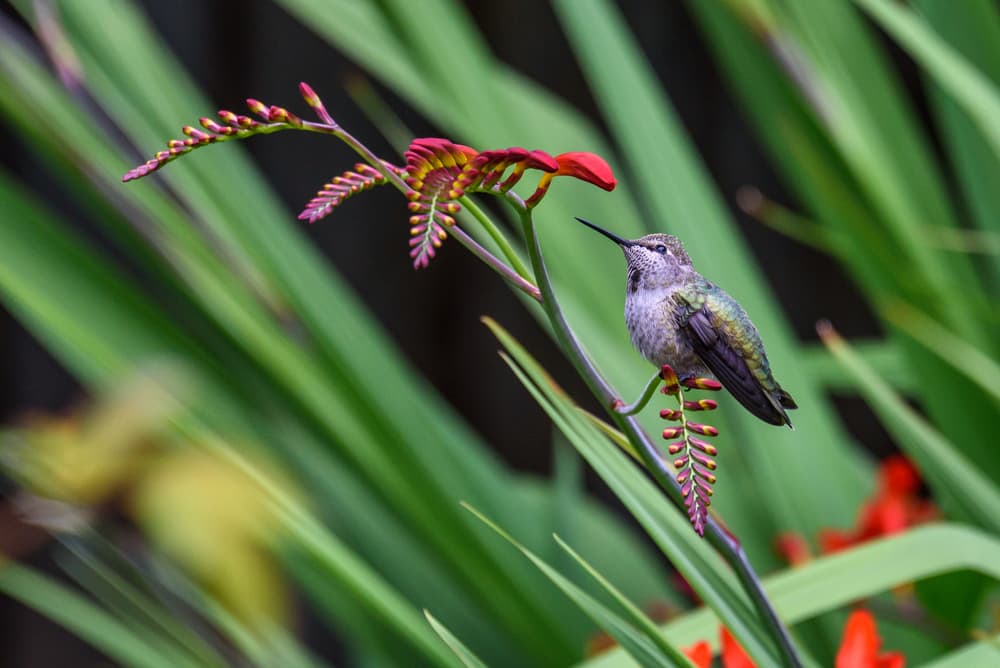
x: 255, y: 48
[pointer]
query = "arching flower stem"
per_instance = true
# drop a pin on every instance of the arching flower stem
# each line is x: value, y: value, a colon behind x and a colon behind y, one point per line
x: 631, y: 409
x: 498, y: 237
x: 494, y: 263
x: 720, y: 538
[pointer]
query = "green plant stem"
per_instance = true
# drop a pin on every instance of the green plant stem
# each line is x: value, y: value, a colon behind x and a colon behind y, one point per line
x: 331, y: 127
x: 497, y: 236
x: 494, y: 263
x: 643, y: 399
x: 723, y: 541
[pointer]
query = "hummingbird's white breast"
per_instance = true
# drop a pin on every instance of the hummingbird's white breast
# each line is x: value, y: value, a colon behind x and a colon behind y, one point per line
x: 652, y: 326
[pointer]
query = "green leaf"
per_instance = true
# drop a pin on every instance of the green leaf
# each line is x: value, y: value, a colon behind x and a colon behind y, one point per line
x: 831, y: 582
x: 968, y: 360
x: 633, y: 640
x: 973, y: 32
x: 83, y: 618
x: 469, y: 659
x: 968, y: 86
x: 635, y: 616
x: 986, y: 652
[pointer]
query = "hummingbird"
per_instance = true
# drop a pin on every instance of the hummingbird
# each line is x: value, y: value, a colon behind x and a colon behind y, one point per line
x: 678, y: 317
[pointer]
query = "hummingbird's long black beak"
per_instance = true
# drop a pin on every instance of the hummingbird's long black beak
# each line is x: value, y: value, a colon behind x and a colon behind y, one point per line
x: 614, y: 237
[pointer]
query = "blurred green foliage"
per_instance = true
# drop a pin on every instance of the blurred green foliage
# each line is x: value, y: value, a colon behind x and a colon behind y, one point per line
x: 286, y: 365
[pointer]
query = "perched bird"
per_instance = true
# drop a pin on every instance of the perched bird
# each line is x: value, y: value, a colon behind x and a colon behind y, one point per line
x: 676, y: 316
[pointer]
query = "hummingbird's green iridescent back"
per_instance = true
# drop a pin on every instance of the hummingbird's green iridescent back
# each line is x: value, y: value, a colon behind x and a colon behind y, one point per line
x: 723, y: 336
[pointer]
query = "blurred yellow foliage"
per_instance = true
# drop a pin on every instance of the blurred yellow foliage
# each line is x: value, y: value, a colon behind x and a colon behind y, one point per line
x: 199, y: 508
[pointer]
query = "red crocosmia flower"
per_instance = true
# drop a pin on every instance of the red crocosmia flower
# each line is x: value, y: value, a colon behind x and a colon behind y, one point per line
x: 733, y: 655
x: 860, y: 644
x: 587, y: 167
x: 893, y: 508
x: 700, y: 654
x: 793, y: 548
x: 899, y: 476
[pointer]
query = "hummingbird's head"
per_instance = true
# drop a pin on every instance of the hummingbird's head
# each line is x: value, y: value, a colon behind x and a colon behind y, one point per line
x: 653, y: 260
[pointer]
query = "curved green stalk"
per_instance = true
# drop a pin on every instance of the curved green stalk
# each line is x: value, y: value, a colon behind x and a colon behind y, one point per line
x: 643, y: 399
x: 497, y: 236
x: 516, y: 278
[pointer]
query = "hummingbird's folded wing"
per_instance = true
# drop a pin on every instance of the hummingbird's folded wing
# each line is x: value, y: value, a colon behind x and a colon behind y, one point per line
x: 726, y: 356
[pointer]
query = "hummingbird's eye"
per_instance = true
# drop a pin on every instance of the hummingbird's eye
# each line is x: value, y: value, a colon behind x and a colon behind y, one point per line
x: 661, y: 249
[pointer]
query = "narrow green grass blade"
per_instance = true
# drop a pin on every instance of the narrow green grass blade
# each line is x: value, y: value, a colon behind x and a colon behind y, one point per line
x: 638, y: 645
x: 81, y: 617
x: 968, y: 360
x: 837, y: 580
x: 967, y: 85
x: 699, y: 565
x: 958, y: 484
x: 634, y: 615
x: 882, y: 356
x: 986, y: 652
x: 136, y: 608
x: 467, y: 658
x: 87, y: 314
x: 974, y: 33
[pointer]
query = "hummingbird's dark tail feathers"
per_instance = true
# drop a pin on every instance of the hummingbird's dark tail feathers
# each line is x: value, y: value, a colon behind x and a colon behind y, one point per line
x: 785, y: 399
x: 725, y: 357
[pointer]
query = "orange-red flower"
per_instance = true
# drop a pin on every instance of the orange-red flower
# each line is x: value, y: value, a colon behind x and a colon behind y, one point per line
x: 893, y: 508
x: 733, y: 655
x: 586, y: 167
x: 793, y: 547
x: 859, y: 647
x: 440, y: 172
x: 700, y: 654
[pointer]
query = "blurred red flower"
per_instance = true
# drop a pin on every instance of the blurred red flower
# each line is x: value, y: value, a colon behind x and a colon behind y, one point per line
x: 860, y: 644
x: 893, y: 508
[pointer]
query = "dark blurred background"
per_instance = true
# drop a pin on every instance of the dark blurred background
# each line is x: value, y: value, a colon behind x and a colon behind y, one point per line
x: 252, y: 48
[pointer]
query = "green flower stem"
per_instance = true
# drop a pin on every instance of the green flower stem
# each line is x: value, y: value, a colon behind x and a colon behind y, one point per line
x: 643, y: 399
x: 497, y: 236
x: 330, y: 127
x: 494, y: 263
x: 723, y: 541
